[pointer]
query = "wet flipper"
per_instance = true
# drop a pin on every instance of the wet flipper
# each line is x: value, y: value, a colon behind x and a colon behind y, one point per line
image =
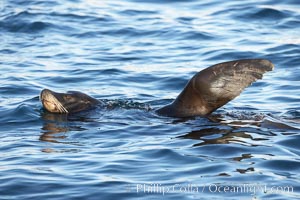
x: 214, y: 86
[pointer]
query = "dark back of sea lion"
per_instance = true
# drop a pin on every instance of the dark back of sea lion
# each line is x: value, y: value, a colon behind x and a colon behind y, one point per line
x: 213, y: 87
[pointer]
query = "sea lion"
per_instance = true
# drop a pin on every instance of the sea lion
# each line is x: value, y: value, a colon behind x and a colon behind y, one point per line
x: 207, y: 90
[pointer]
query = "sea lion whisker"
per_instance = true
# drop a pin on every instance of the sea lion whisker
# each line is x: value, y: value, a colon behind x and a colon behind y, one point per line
x: 58, y: 105
x: 61, y: 108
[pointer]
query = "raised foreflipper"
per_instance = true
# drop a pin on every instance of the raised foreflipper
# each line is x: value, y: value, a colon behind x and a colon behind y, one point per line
x: 214, y: 86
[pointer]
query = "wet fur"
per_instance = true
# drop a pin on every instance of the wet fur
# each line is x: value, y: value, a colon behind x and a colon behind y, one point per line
x: 208, y: 90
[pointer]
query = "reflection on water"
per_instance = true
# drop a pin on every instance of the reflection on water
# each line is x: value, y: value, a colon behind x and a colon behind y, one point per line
x: 56, y: 128
x: 52, y: 125
x: 223, y: 137
x: 226, y: 133
x: 237, y: 128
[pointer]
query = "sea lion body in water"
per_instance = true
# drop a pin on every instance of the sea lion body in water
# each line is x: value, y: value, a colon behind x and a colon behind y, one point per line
x: 208, y: 90
x: 70, y: 102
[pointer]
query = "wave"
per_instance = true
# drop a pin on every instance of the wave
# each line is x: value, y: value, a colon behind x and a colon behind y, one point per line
x: 261, y: 14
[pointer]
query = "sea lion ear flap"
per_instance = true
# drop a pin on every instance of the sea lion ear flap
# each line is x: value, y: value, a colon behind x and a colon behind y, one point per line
x: 225, y: 81
x: 214, y: 86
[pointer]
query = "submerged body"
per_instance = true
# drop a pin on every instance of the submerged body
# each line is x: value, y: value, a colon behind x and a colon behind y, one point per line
x: 207, y: 90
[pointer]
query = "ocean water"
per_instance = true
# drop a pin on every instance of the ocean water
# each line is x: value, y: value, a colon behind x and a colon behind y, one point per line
x: 138, y: 55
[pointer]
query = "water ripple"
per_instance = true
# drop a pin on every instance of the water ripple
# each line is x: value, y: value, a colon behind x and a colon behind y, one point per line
x: 136, y: 56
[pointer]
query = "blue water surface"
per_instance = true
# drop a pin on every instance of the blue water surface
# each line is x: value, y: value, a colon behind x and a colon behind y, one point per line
x: 137, y: 55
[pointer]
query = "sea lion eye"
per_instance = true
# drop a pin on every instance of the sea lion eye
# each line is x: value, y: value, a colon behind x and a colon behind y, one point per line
x: 68, y: 97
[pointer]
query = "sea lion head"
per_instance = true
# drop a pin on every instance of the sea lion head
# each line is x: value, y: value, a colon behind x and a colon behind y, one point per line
x: 70, y: 102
